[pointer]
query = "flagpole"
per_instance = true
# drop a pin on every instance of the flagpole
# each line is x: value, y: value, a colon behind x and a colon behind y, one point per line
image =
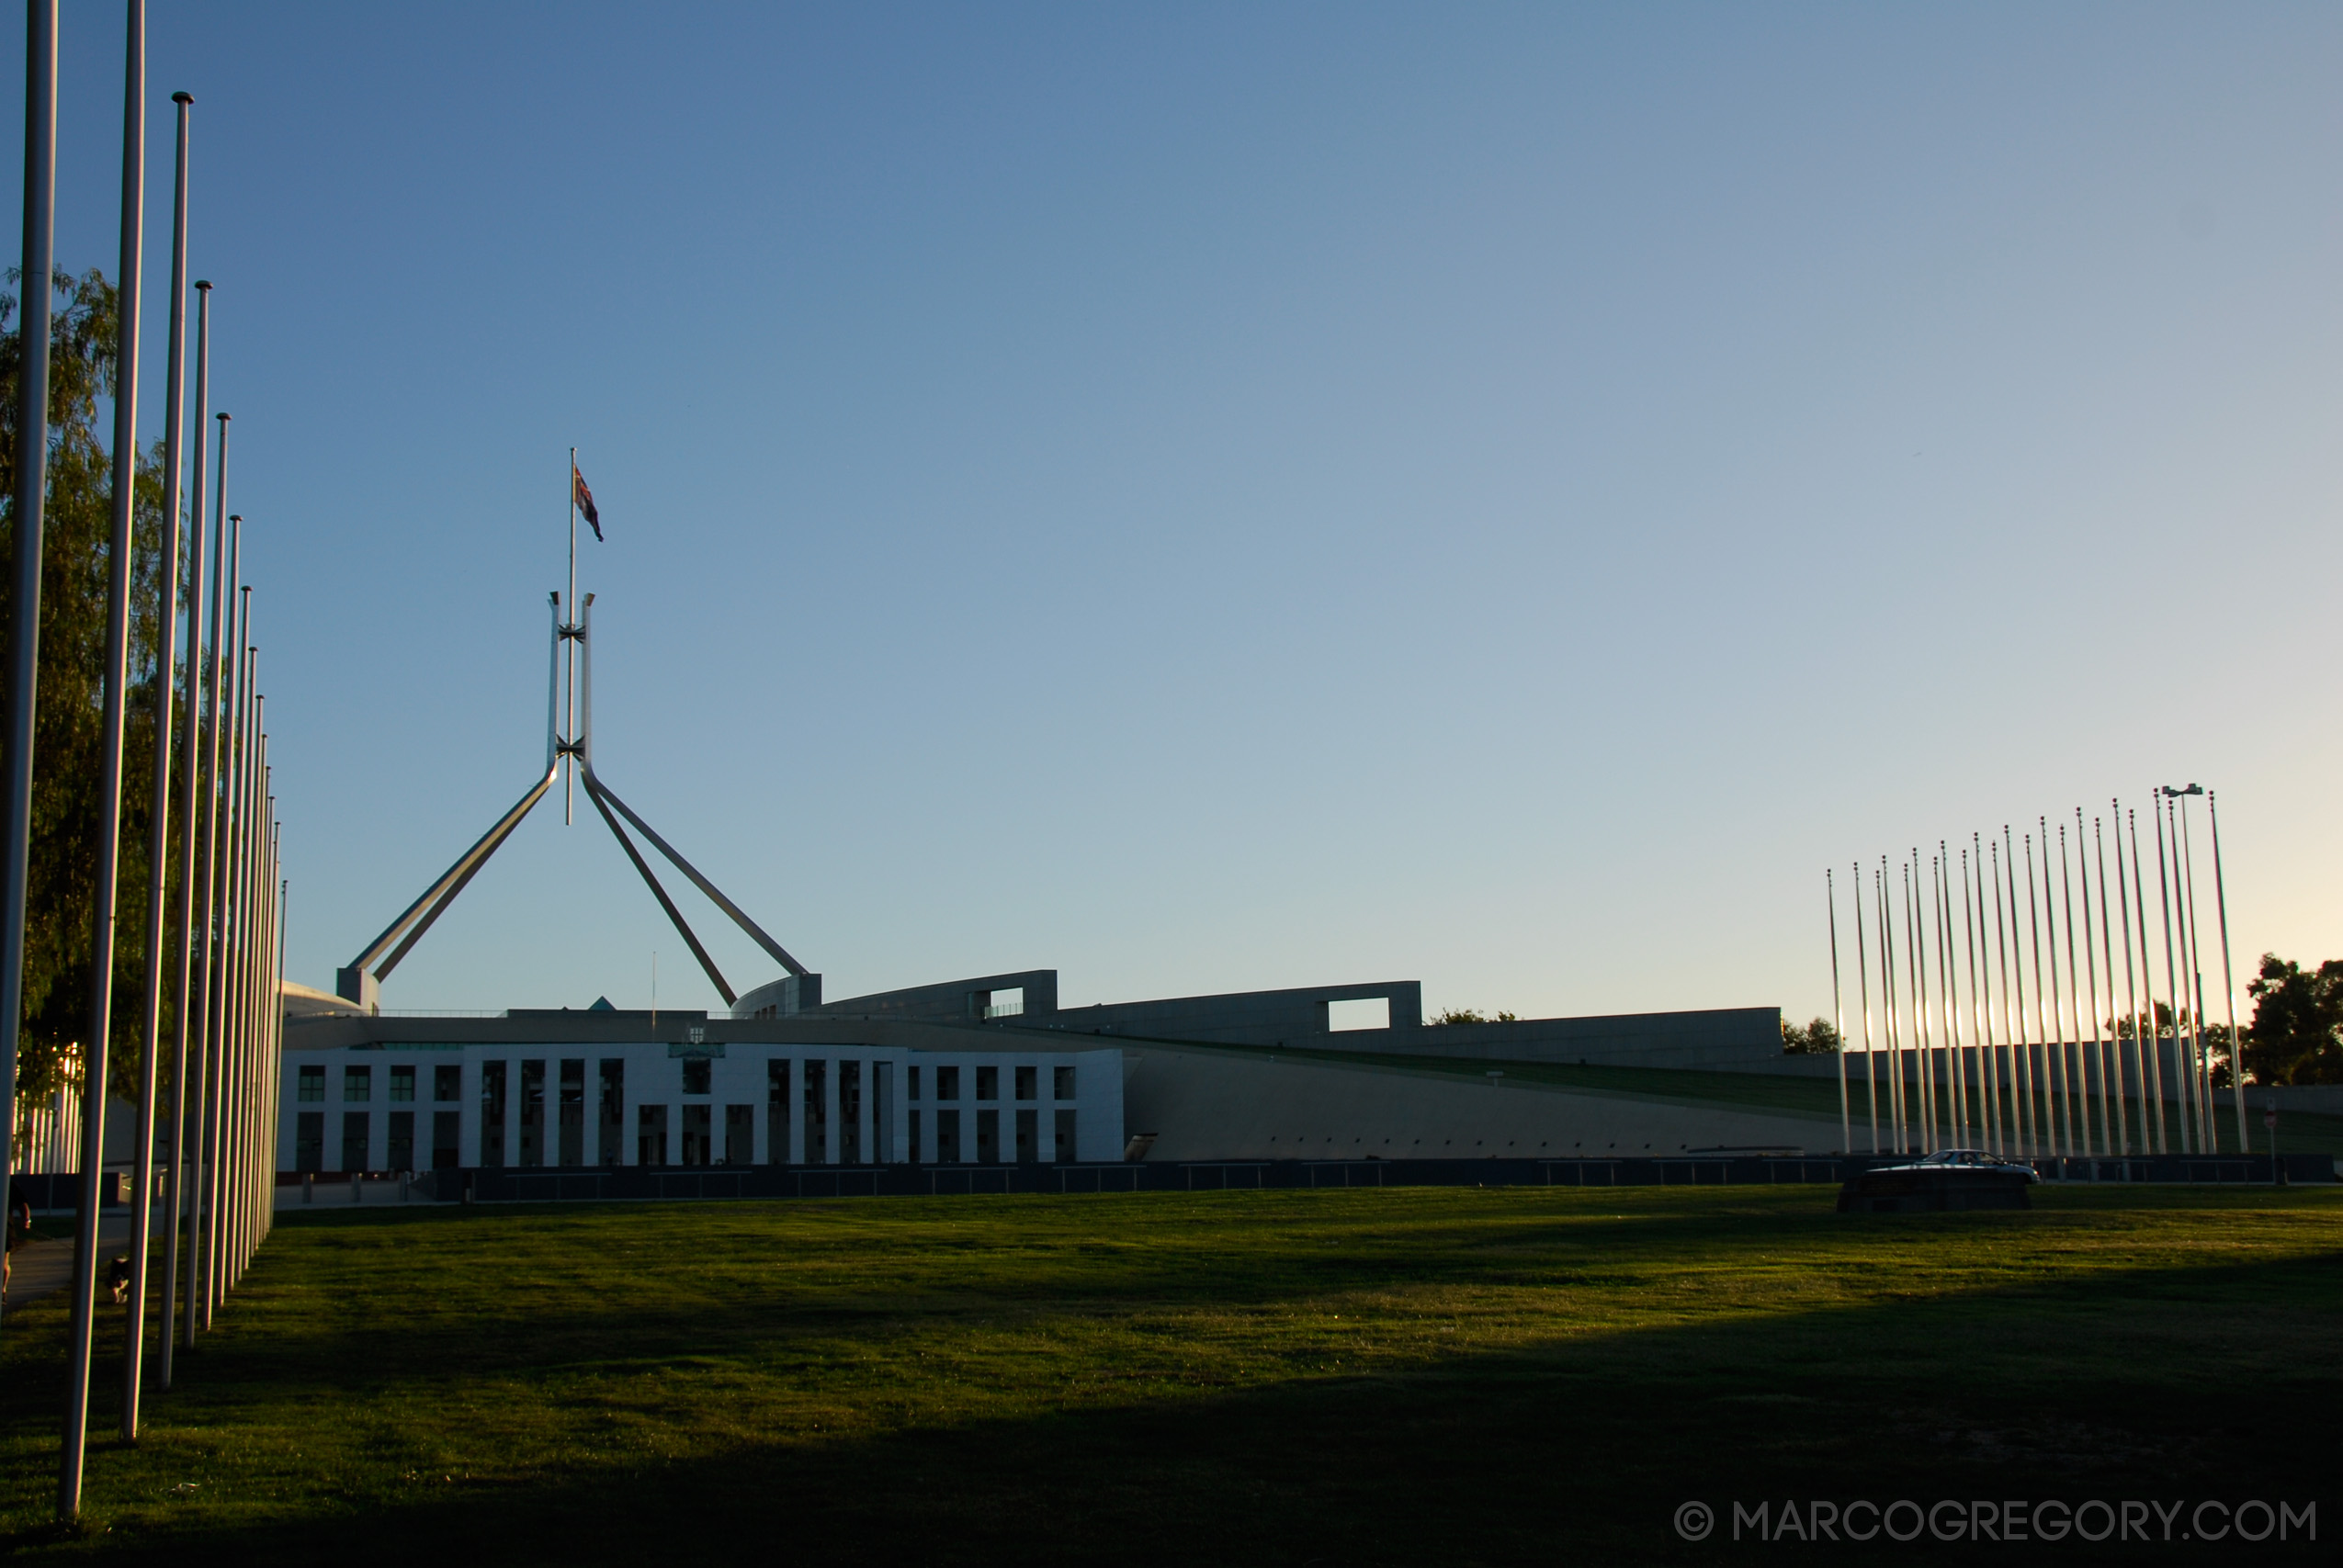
x: 103, y: 907
x: 1863, y: 979
x: 2229, y: 985
x: 1838, y: 1015
x: 570, y: 605
x: 32, y: 459
x: 159, y: 843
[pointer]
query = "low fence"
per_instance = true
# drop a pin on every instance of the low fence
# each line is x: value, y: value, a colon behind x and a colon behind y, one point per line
x: 639, y: 1184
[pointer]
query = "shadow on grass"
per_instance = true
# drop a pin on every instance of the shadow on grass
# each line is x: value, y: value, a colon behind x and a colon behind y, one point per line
x: 2119, y: 1383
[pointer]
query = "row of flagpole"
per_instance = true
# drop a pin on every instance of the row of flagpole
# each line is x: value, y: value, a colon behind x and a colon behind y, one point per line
x: 228, y: 955
x: 1978, y: 1054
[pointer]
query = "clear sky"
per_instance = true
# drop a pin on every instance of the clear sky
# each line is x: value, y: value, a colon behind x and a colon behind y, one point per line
x: 1226, y: 496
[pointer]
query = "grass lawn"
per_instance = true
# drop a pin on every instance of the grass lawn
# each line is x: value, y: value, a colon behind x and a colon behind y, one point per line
x: 1397, y: 1376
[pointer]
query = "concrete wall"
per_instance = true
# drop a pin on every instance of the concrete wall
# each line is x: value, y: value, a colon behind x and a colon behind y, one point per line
x: 1295, y: 1015
x: 1203, y: 1104
x: 1720, y: 1039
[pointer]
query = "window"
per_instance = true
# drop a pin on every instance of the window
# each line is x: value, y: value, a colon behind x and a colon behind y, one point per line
x: 1061, y: 1083
x: 817, y: 1111
x: 739, y: 1135
x: 1366, y: 1012
x: 696, y: 1072
x: 402, y: 1137
x: 447, y: 1139
x: 911, y: 1078
x: 611, y: 1112
x: 402, y: 1088
x: 572, y: 1111
x: 988, y: 1083
x: 651, y: 1128
x: 947, y: 1083
x: 777, y: 1110
x: 1065, y: 1130
x: 1007, y: 1003
x: 696, y: 1139
x: 1028, y: 1137
x: 850, y: 1112
x: 355, y: 1127
x: 358, y: 1085
x: 448, y: 1085
x: 533, y: 1113
x: 308, y: 1135
x: 312, y: 1088
x: 492, y: 1113
x: 988, y: 1149
x: 1025, y: 1086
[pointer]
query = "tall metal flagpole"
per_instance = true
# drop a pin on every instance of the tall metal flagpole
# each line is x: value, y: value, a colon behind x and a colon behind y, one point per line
x: 158, y: 840
x: 2074, y: 1047
x: 190, y: 771
x: 1988, y: 1075
x: 2033, y: 913
x: 2021, y: 1073
x: 222, y: 1083
x: 1862, y: 978
x: 1915, y: 982
x: 2015, y: 1121
x: 1887, y: 996
x: 2171, y: 985
x: 223, y: 949
x: 226, y: 551
x: 32, y: 494
x: 1838, y: 1015
x: 109, y: 778
x: 2196, y: 978
x: 2062, y: 1035
x: 2110, y: 1059
x: 2228, y: 983
x: 569, y: 606
x: 2131, y: 988
x: 1948, y: 965
x: 2152, y: 1054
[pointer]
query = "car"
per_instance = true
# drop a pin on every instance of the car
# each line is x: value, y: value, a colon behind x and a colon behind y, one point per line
x: 1948, y: 1179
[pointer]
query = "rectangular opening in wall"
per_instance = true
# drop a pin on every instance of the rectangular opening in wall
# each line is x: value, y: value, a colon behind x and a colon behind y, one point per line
x: 309, y: 1137
x: 1009, y: 1003
x: 402, y: 1141
x: 817, y: 1111
x: 1061, y: 1083
x: 739, y: 1135
x: 574, y: 1110
x: 697, y: 1139
x: 1026, y: 1082
x: 915, y: 1155
x: 358, y: 1083
x: 446, y: 1140
x: 533, y: 1113
x: 312, y: 1087
x: 492, y: 1114
x: 850, y: 1112
x: 777, y: 1110
x: 988, y: 1083
x: 1366, y: 1012
x: 448, y: 1085
x: 947, y: 1083
x: 882, y: 1111
x: 988, y: 1149
x: 402, y: 1088
x: 1028, y: 1137
x: 612, y: 1109
x: 948, y: 1138
x: 355, y: 1128
x: 1065, y: 1135
x: 651, y: 1134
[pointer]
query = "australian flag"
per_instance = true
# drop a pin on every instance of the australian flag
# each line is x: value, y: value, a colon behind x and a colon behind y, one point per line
x: 584, y: 498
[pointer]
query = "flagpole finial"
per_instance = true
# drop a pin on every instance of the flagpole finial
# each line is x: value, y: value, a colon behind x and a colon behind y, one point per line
x: 182, y: 97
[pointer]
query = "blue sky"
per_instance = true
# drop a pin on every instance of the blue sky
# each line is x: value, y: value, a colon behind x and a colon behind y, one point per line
x: 1226, y: 496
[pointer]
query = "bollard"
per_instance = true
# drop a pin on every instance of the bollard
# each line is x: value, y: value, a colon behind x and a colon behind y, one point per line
x: 355, y: 1195
x: 309, y: 1187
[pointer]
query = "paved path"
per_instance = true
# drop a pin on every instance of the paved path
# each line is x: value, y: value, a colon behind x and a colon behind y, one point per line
x: 40, y: 1267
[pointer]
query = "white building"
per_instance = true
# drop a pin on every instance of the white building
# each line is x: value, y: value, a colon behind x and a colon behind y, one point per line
x: 437, y: 1105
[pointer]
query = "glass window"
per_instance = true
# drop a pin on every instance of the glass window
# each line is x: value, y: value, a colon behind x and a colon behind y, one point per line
x: 988, y: 1083
x: 446, y: 1084
x: 948, y: 1084
x: 912, y: 1075
x: 1062, y: 1085
x: 696, y: 1072
x: 402, y: 1087
x: 312, y: 1088
x: 1025, y: 1086
x: 357, y: 1084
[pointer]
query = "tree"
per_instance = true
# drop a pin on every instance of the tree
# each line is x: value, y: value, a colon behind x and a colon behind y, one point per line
x: 68, y: 720
x: 1468, y: 1015
x: 2297, y: 1033
x: 1819, y: 1038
